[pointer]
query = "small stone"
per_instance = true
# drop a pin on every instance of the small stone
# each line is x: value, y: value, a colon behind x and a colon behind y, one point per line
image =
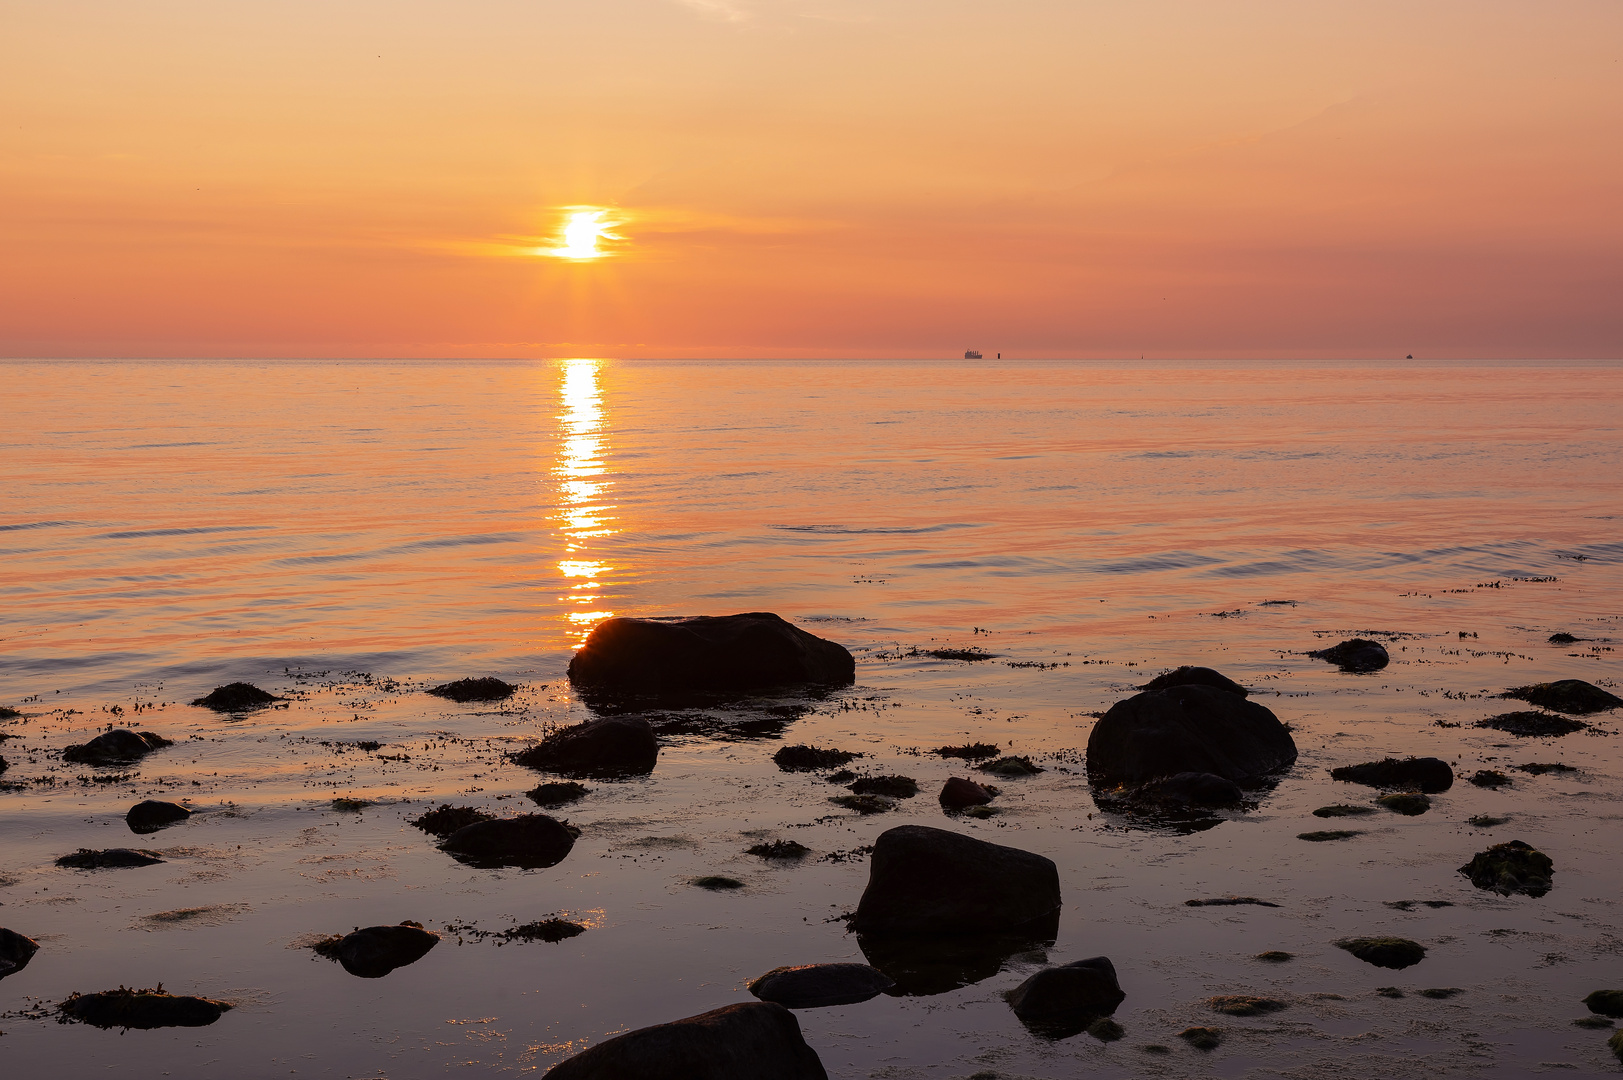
x: 717, y: 883
x: 816, y: 986
x: 1440, y: 993
x: 1427, y: 774
x: 1486, y: 821
x: 373, y: 952
x: 1106, y: 1030
x: 969, y: 751
x: 1593, y: 1022
x: 894, y: 787
x: 958, y: 793
x: 1355, y: 655
x: 1388, y: 991
x: 15, y: 952
x: 1230, y: 901
x: 119, y: 747
x: 152, y: 815
x: 1202, y: 1038
x: 1530, y: 725
x: 144, y: 1009
x: 1060, y: 1001
x: 1342, y: 810
x: 865, y: 804
x: 1385, y: 952
x: 529, y: 841
x: 1538, y: 768
x: 779, y: 849
x: 557, y: 794
x: 110, y: 859
x: 1615, y: 1044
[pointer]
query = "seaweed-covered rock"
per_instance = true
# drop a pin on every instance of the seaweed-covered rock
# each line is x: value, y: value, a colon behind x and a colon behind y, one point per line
x: 1407, y: 803
x: 529, y: 840
x: 1615, y: 1045
x: 1539, y: 768
x: 1182, y: 729
x: 1013, y: 765
x: 1244, y: 1005
x: 446, y: 819
x: 1195, y: 676
x: 1528, y: 723
x: 1385, y: 952
x: 1511, y: 867
x: 1603, y: 1003
x: 16, y: 951
x: 604, y: 746
x: 865, y: 804
x: 894, y: 787
x: 1342, y: 810
x: 557, y: 794
x: 1355, y: 655
x: 466, y: 690
x: 1202, y: 1038
x: 958, y: 793
x: 703, y: 652
x: 118, y: 747
x: 110, y: 859
x: 145, y: 1009
x: 748, y: 1041
x: 784, y: 850
x: 152, y: 815
x: 1568, y: 696
x: 374, y: 951
x: 928, y: 882
x: 236, y: 697
x: 1489, y: 778
x: 968, y: 751
x: 1061, y: 1001
x: 814, y: 986
x: 8, y: 714
x: 1428, y: 774
x: 802, y: 758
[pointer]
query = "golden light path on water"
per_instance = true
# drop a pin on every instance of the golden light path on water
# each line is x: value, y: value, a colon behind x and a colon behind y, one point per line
x: 582, y: 484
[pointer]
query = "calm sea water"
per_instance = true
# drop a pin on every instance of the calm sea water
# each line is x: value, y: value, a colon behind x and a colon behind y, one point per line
x: 347, y: 533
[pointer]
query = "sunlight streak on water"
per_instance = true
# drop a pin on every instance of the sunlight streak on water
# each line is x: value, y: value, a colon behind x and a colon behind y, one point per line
x: 582, y: 487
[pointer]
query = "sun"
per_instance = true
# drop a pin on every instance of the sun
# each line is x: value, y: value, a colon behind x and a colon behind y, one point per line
x: 581, y: 232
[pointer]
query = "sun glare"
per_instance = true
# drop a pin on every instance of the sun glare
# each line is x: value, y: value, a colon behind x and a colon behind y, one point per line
x: 582, y: 231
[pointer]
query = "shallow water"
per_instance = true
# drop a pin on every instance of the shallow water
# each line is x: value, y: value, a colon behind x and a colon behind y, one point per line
x: 346, y: 534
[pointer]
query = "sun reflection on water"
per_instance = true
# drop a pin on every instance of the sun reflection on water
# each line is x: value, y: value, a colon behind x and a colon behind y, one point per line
x: 583, y: 485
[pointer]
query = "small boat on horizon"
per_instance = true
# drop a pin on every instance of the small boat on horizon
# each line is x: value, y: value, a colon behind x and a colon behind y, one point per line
x: 972, y: 354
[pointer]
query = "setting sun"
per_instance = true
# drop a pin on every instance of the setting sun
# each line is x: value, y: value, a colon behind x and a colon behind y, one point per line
x: 582, y: 231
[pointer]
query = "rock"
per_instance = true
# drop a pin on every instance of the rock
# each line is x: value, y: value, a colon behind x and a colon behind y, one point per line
x: 1486, y: 821
x: 1615, y: 1045
x: 1244, y: 1005
x: 373, y: 952
x: 606, y: 746
x: 779, y: 849
x: 1342, y: 810
x: 931, y: 882
x: 1601, y: 1002
x: 1230, y: 901
x: 1194, y: 676
x: 152, y: 815
x: 958, y: 793
x: 1385, y: 952
x: 1061, y: 1001
x: 1596, y: 1022
x: 749, y: 1041
x: 447, y: 819
x: 1529, y: 724
x: 1275, y: 956
x: 1489, y: 778
x: 1106, y: 1030
x: 465, y: 690
x: 1202, y: 1038
x: 727, y: 652
x: 1407, y: 803
x: 1355, y: 655
x: 16, y: 951
x: 110, y: 859
x: 1428, y: 774
x: 236, y: 697
x: 814, y: 986
x: 717, y: 883
x: 1320, y: 836
x: 559, y: 794
x: 969, y: 752
x: 895, y: 787
x: 865, y: 804
x: 8, y: 714
x: 1511, y: 867
x: 1568, y: 696
x: 115, y: 748
x: 1563, y: 638
x: 529, y: 840
x: 1191, y: 789
x: 3, y: 765
x: 1199, y: 729
x: 1440, y: 993
x: 145, y: 1009
x: 810, y: 758
x: 1539, y: 768
x: 925, y: 966
x: 1010, y: 766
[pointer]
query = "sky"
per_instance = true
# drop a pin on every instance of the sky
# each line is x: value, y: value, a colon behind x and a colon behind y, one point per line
x: 806, y: 178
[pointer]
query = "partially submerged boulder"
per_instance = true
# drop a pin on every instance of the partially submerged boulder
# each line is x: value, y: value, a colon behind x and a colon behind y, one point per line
x: 529, y: 841
x: 1428, y: 774
x: 1202, y: 1038
x: 1061, y: 1001
x: 726, y: 652
x: 814, y: 986
x: 1355, y: 655
x: 801, y: 758
x: 1601, y: 1002
x: 866, y: 804
x: 152, y: 815
x: 1010, y: 766
x: 109, y: 859
x: 465, y: 690
x: 1195, y: 676
x: 558, y: 794
x: 1568, y: 696
x: 1407, y: 803
x: 374, y: 951
x: 1385, y: 952
x: 748, y: 1041
x: 1511, y: 867
x: 236, y: 697
x: 1244, y: 1005
x: 1529, y: 723
x: 1615, y: 1044
x: 145, y: 1009
x: 930, y: 882
x: 606, y: 746
x: 958, y: 793
x: 119, y: 747
x: 15, y: 951
x: 1182, y: 729
x: 1490, y: 778
x: 894, y: 787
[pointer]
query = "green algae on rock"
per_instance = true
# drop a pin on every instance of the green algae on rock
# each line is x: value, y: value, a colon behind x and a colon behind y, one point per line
x: 1407, y: 803
x: 1106, y: 1030
x: 1615, y: 1044
x: 1490, y: 778
x: 1386, y: 952
x: 1511, y: 867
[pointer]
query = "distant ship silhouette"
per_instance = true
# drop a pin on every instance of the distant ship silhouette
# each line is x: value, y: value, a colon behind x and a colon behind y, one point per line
x: 971, y: 354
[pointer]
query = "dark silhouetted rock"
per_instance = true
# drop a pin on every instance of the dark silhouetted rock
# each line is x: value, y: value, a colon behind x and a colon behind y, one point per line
x: 1601, y: 1002
x: 1061, y: 1001
x: 895, y: 787
x: 446, y: 819
x: 1191, y: 789
x: 926, y: 966
x: 1530, y: 724
x: 1511, y: 867
x: 1385, y: 952
x: 606, y: 746
x: 1490, y: 778
x: 1407, y: 803
x: 1615, y: 1045
x: 115, y: 748
x: 958, y: 793
x: 1568, y: 696
x: 559, y: 794
x: 810, y: 758
x: 726, y: 652
x: 1199, y: 729
x: 110, y: 859
x: 717, y: 883
x: 465, y: 690
x: 15, y: 952
x: 1486, y: 821
x: 1010, y: 766
x: 152, y: 815
x: 1195, y: 676
x: 865, y: 804
x: 1230, y: 901
x: 814, y: 986
x: 529, y: 840
x: 1342, y: 810
x: 787, y: 850
x: 1202, y: 1038
x: 3, y: 765
x: 1321, y: 836
x: 1441, y: 993
x: 751, y: 1041
x: 373, y: 952
x: 123, y: 1008
x: 925, y: 881
x: 1539, y: 768
x: 1244, y: 1005
x: 1428, y: 774
x: 969, y: 751
x: 1275, y: 956
x: 1563, y: 638
x: 8, y: 714
x: 236, y: 697
x: 1356, y: 655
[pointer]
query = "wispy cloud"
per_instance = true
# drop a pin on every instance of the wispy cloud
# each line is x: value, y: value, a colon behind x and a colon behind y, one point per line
x: 720, y: 10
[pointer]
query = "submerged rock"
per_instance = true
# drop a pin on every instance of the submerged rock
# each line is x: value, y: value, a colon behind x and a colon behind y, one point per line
x: 1062, y: 1001
x: 1202, y: 1038
x: 110, y: 859
x: 717, y: 883
x: 1320, y: 836
x: 1489, y: 778
x: 1275, y: 956
x: 152, y: 815
x: 748, y: 1041
x: 446, y: 819
x: 1195, y: 676
x: 606, y: 746
x: 926, y: 881
x: 118, y: 747
x: 865, y: 804
x: 1355, y: 655
x: 814, y: 986
x: 779, y: 849
x: 1561, y: 637
x: 374, y: 951
x: 1014, y: 765
x: 703, y: 652
x: 145, y: 1009
x: 1427, y: 774
x: 1511, y: 867
x: 465, y: 690
x: 1244, y: 1005
x: 1528, y: 724
x: 958, y: 793
x: 529, y: 841
x: 1385, y: 952
x: 1183, y: 729
x: 559, y: 794
x: 895, y: 787
x: 1615, y: 1045
x: 1342, y: 810
x: 969, y: 751
x: 1230, y: 901
x: 810, y: 758
x: 1407, y: 803
x: 1568, y: 696
x: 236, y: 697
x: 16, y: 951
x: 1601, y: 1002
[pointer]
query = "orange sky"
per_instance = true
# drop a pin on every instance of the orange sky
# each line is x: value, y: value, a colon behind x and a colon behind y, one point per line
x: 812, y: 178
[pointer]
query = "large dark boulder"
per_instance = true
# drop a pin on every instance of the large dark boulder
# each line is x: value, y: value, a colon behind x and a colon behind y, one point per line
x: 530, y: 841
x: 124, y: 1008
x: 931, y: 882
x: 1192, y: 728
x: 704, y: 652
x: 751, y: 1041
x: 236, y: 697
x: 1355, y: 655
x: 1195, y: 676
x: 110, y: 859
x: 1511, y: 867
x: 1428, y: 774
x: 119, y: 747
x: 1568, y: 696
x: 15, y: 951
x: 152, y: 815
x: 605, y: 746
x: 1061, y: 1001
x: 374, y: 951
x: 814, y: 986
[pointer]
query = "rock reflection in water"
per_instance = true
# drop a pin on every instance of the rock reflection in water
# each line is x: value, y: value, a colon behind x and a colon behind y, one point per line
x: 926, y: 966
